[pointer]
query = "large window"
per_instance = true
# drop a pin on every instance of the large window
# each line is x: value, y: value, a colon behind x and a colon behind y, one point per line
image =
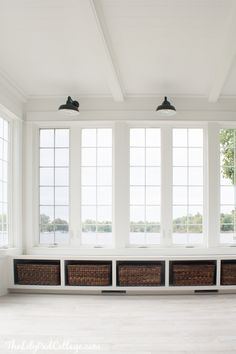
x: 145, y: 181
x: 3, y: 182
x: 54, y: 186
x: 227, y: 186
x: 96, y: 186
x: 187, y: 186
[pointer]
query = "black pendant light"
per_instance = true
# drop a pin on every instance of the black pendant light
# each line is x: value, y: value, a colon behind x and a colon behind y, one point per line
x: 166, y: 109
x: 70, y: 108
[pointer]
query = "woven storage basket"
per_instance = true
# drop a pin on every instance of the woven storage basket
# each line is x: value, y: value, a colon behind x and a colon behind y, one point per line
x: 139, y: 274
x: 228, y: 274
x: 38, y: 274
x: 89, y: 274
x: 193, y: 274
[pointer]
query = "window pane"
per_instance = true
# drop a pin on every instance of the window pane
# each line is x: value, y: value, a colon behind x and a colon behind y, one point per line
x: 187, y: 186
x: 137, y: 137
x: 62, y: 157
x: 54, y: 179
x: 62, y: 138
x: 97, y: 197
x: 145, y: 180
x: 137, y: 156
x: 61, y: 176
x: 88, y: 175
x: 46, y: 157
x: 46, y: 176
x: 46, y: 138
x: 104, y: 137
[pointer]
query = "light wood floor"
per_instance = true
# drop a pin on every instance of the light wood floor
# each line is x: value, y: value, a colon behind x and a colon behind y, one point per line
x: 117, y: 324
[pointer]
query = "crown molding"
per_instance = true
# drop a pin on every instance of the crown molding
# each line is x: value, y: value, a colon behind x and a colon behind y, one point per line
x: 8, y: 83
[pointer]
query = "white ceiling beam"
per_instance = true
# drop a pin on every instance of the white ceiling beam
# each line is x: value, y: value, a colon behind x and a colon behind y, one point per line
x: 226, y: 57
x: 110, y: 69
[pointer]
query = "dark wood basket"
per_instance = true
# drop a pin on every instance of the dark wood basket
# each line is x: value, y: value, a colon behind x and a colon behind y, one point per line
x: 139, y: 274
x: 89, y: 274
x: 193, y: 274
x: 38, y: 274
x: 228, y: 274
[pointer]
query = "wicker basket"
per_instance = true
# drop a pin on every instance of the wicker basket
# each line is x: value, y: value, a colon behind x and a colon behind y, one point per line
x: 38, y: 274
x: 193, y: 274
x: 228, y: 274
x: 139, y: 274
x: 89, y: 274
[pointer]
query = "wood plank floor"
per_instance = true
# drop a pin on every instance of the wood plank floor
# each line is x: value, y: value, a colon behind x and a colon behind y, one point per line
x: 39, y: 323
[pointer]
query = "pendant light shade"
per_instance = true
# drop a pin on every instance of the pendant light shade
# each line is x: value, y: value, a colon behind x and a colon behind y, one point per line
x: 166, y: 109
x: 70, y: 108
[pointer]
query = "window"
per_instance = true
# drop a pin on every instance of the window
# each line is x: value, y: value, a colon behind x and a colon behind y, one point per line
x: 227, y: 185
x: 145, y: 184
x: 187, y: 186
x: 54, y: 186
x: 96, y: 186
x: 4, y: 182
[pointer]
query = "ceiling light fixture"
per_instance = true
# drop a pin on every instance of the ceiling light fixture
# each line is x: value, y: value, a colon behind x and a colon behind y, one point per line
x: 70, y: 108
x: 166, y: 109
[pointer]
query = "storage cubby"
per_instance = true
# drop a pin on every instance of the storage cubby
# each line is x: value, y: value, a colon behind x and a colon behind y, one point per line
x: 228, y: 272
x: 37, y: 272
x: 88, y: 273
x: 192, y: 273
x: 140, y: 273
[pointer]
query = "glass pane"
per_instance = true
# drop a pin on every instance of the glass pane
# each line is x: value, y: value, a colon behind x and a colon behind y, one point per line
x: 137, y: 156
x: 88, y: 175
x: 153, y: 137
x: 180, y: 137
x: 46, y: 196
x: 46, y: 138
x: 88, y: 195
x: 196, y: 195
x: 153, y: 176
x: 180, y: 176
x: 227, y: 195
x: 137, y: 214
x: 180, y: 157
x: 62, y: 137
x: 5, y: 150
x: 180, y: 195
x: 61, y: 196
x: 153, y: 214
x: 104, y: 214
x: 62, y: 157
x: 61, y: 215
x: 153, y: 157
x: 89, y: 138
x: 195, y: 137
x: 104, y: 176
x: 137, y: 176
x: 195, y: 213
x: 180, y: 214
x: 89, y: 214
x: 104, y: 137
x: 195, y: 157
x: 137, y: 195
x: 61, y: 176
x: 195, y: 176
x: 89, y: 157
x: 137, y: 137
x: 46, y: 215
x: 152, y: 195
x: 46, y: 157
x: 104, y: 195
x: 227, y: 176
x: 104, y: 157
x: 46, y: 176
